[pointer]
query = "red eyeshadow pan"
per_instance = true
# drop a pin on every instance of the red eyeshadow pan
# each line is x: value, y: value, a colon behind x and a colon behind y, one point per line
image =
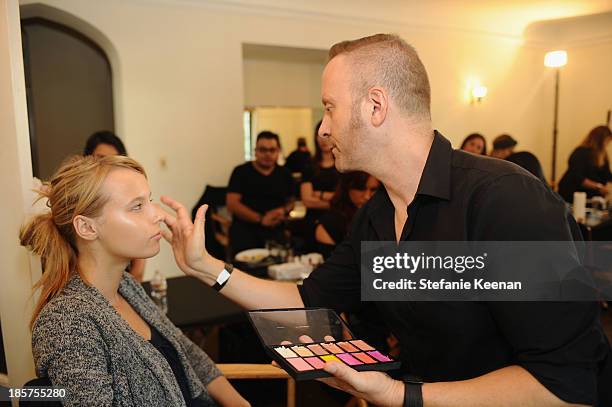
x: 364, y: 358
x: 299, y: 364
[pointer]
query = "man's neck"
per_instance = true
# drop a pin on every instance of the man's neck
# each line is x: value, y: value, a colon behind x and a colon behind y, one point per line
x: 102, y: 273
x: 263, y: 170
x: 404, y: 160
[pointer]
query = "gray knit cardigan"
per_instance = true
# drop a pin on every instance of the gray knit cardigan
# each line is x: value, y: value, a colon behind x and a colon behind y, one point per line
x: 82, y: 344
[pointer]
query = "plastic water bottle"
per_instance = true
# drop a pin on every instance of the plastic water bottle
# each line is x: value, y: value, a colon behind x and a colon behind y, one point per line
x: 159, y: 289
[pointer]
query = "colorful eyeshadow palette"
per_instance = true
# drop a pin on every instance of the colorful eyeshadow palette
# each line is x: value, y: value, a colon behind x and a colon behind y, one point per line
x: 302, y: 340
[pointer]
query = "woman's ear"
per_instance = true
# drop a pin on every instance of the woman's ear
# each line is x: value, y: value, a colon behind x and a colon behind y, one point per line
x: 85, y: 227
x: 379, y: 102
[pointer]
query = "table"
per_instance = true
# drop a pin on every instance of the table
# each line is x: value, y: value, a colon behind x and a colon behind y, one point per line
x: 192, y: 303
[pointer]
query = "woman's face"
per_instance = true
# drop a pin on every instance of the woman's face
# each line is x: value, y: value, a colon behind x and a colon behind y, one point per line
x: 103, y: 150
x: 129, y: 226
x: 475, y: 146
x: 360, y: 196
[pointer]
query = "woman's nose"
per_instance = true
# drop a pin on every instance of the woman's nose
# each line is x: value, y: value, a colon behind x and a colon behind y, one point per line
x: 158, y: 213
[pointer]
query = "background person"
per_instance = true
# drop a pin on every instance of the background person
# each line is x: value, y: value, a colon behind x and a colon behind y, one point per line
x: 103, y: 143
x: 588, y: 167
x: 475, y: 143
x: 259, y: 196
x: 299, y: 158
x: 503, y: 146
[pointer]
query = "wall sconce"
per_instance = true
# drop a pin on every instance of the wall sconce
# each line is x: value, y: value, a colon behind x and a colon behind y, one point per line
x: 477, y: 93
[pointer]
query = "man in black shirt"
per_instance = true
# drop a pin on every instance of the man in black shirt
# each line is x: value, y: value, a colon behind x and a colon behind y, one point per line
x: 299, y: 158
x: 376, y: 98
x: 259, y: 195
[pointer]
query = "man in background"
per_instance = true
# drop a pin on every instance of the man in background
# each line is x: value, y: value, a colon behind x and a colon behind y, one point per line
x: 259, y: 196
x: 503, y: 146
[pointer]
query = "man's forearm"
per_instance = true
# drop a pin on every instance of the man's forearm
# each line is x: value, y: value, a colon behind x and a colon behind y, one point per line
x: 510, y: 386
x: 256, y: 293
x: 245, y: 213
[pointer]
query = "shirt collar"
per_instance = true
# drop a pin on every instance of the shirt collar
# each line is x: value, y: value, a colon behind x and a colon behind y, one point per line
x: 435, y: 179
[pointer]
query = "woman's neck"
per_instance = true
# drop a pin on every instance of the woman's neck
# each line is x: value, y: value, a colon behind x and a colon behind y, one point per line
x: 102, y: 273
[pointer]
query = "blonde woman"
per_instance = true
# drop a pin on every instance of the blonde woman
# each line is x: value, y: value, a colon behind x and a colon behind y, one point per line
x: 95, y: 332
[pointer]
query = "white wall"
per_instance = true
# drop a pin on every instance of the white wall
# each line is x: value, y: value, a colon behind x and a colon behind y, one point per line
x: 180, y: 95
x: 276, y: 83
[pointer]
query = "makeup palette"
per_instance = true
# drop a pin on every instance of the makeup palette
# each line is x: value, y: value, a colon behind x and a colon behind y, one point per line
x: 302, y: 340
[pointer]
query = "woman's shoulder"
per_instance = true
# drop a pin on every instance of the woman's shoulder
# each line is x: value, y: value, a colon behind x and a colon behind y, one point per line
x: 65, y: 309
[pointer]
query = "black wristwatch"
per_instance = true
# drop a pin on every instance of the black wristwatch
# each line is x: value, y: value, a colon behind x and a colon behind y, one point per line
x: 223, y: 277
x: 413, y: 392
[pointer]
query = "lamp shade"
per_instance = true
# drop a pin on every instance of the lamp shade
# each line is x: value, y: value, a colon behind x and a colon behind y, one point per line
x: 555, y: 59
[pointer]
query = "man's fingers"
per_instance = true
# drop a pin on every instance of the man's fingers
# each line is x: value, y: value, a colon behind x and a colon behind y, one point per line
x: 329, y: 338
x: 199, y: 219
x: 305, y: 339
x: 168, y: 219
x: 167, y: 235
x: 285, y: 343
x: 180, y: 210
x: 342, y: 372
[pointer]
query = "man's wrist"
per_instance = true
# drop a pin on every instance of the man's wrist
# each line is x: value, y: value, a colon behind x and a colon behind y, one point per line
x: 212, y: 268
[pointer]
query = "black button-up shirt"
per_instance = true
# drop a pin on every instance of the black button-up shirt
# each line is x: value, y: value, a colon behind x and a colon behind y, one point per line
x: 465, y: 197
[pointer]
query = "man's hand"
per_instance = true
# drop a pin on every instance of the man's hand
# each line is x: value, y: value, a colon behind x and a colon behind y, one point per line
x: 375, y: 387
x: 273, y: 217
x: 187, y: 240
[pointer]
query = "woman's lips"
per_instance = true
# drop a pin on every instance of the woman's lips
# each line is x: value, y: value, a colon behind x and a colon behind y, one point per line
x: 157, y: 236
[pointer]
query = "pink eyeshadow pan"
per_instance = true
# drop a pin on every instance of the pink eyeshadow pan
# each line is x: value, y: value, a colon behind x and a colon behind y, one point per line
x: 317, y: 349
x: 364, y: 358
x: 379, y: 356
x: 299, y: 364
x: 332, y: 347
x: 362, y: 345
x: 315, y: 362
x: 347, y: 347
x: 349, y: 360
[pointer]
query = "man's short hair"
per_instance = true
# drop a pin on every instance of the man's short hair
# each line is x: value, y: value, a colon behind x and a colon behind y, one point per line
x: 268, y: 135
x: 387, y: 60
x: 504, y: 141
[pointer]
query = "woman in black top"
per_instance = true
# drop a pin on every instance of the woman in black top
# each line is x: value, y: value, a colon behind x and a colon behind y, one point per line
x: 354, y: 190
x: 588, y: 167
x: 319, y: 181
x: 320, y: 177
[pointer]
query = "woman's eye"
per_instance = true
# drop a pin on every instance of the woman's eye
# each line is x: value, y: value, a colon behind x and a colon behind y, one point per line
x: 137, y: 207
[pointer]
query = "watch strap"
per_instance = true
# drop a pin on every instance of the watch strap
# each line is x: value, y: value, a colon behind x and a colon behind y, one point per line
x: 223, y: 277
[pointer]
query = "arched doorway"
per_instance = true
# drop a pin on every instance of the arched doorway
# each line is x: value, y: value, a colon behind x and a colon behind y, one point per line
x: 69, y: 91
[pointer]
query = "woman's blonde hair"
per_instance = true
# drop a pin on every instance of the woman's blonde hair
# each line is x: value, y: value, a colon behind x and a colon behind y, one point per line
x: 75, y: 189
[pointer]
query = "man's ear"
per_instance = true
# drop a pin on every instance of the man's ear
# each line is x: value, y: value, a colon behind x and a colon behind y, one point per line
x: 85, y: 227
x: 379, y: 103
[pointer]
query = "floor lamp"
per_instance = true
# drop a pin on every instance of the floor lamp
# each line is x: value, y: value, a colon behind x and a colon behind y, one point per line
x: 555, y: 59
